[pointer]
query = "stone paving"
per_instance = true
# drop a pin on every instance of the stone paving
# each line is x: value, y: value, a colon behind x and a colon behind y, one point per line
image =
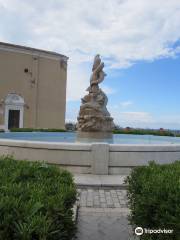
x: 102, y: 198
x: 103, y: 215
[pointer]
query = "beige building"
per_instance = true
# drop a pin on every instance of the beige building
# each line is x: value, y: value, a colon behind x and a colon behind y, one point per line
x: 32, y: 87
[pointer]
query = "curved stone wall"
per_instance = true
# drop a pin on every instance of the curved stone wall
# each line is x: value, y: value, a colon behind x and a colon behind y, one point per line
x: 96, y: 158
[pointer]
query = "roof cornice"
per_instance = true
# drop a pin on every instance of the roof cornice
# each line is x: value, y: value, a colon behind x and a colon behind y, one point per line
x: 33, y: 51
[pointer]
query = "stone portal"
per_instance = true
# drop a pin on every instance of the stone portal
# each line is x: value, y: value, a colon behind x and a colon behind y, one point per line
x: 14, y: 111
x: 94, y: 120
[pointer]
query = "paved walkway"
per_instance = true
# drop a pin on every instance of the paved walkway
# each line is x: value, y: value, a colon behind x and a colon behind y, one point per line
x: 103, y: 214
x: 102, y: 198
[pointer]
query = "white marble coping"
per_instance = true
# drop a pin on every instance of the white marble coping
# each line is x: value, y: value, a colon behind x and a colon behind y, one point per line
x: 47, y: 145
x: 88, y: 146
x: 144, y: 147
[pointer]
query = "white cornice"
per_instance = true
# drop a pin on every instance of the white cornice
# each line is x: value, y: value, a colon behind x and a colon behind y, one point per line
x: 31, y: 51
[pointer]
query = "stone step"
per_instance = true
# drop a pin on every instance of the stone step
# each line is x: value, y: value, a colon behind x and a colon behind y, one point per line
x: 99, y: 181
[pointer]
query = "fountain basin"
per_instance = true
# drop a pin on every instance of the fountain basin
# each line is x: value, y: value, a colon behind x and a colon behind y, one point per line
x: 96, y: 158
x: 72, y: 137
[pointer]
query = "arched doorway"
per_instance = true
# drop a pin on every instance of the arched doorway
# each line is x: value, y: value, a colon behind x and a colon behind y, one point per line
x: 14, y: 111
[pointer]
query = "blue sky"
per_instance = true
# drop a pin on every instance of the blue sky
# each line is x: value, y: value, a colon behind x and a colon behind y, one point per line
x: 139, y: 41
x: 143, y: 95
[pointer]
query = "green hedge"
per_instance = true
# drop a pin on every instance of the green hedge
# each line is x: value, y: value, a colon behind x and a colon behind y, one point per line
x: 37, y: 130
x: 146, y: 132
x: 35, y: 201
x: 154, y: 199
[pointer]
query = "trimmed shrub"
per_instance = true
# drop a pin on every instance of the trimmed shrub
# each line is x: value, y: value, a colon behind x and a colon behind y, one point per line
x: 37, y: 130
x: 21, y: 129
x: 145, y: 132
x: 36, y: 201
x: 154, y: 199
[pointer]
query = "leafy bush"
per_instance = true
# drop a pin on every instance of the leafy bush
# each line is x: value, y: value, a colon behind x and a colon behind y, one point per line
x: 70, y: 126
x: 154, y: 199
x: 35, y: 201
x: 37, y: 130
x: 145, y: 132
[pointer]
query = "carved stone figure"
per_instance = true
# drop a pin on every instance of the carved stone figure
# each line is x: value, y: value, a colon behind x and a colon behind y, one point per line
x: 93, y: 115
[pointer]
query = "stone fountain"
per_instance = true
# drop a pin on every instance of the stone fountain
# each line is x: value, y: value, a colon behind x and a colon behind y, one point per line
x: 94, y: 120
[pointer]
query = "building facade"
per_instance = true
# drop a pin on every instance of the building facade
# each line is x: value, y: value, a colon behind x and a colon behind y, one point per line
x: 32, y: 87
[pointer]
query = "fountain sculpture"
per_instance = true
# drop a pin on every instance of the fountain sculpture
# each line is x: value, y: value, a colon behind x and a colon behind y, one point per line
x: 94, y: 120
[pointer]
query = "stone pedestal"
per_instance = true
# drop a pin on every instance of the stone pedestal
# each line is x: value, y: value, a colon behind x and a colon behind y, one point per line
x: 94, y: 137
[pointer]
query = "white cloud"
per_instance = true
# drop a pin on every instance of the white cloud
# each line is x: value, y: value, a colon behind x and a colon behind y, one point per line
x: 134, y: 118
x: 108, y: 90
x: 77, y: 83
x: 144, y: 119
x: 122, y: 31
x: 72, y: 114
x: 126, y: 104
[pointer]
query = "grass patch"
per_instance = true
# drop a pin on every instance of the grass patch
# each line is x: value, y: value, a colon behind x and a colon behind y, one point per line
x: 35, y: 201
